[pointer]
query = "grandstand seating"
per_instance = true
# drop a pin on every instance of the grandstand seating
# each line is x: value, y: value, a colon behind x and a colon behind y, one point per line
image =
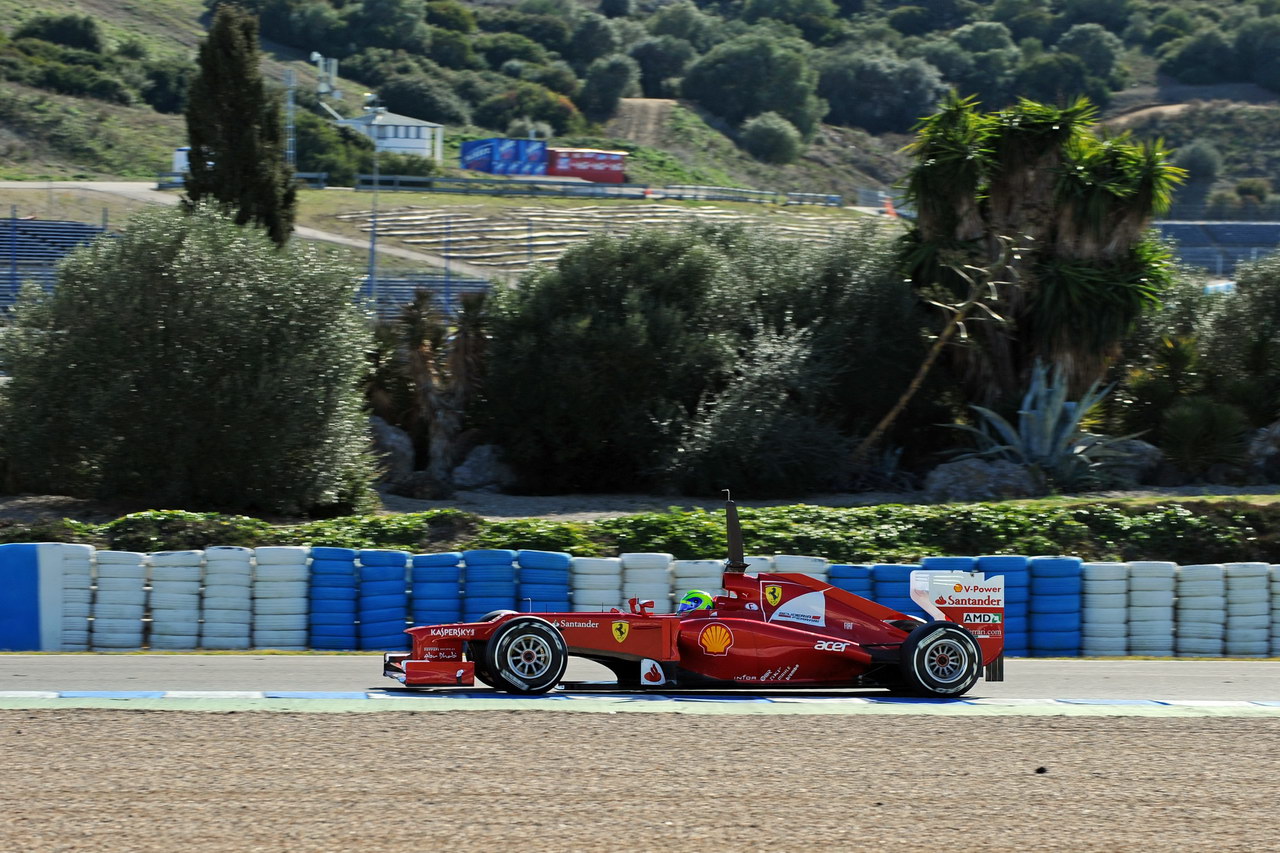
x: 1220, y: 246
x: 394, y: 293
x: 30, y: 250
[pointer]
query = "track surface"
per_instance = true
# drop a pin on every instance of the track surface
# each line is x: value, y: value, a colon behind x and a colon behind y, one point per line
x: 1026, y: 679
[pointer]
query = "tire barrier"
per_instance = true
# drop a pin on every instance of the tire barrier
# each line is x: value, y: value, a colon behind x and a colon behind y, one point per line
x: 384, y: 600
x: 77, y: 596
x: 1200, y: 611
x: 707, y: 575
x: 119, y: 601
x: 891, y: 586
x: 333, y: 592
x: 1017, y: 599
x: 436, y: 594
x: 1248, y: 631
x: 648, y: 577
x: 64, y: 597
x: 1104, y: 609
x: 226, y: 608
x: 176, y: 580
x: 1150, y: 614
x: 1275, y: 611
x: 1057, y: 585
x: 596, y: 582
x: 488, y: 582
x: 543, y: 581
x: 854, y: 579
x: 280, y: 597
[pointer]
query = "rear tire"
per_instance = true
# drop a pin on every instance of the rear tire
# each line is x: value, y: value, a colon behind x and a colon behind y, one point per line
x: 940, y: 659
x: 526, y: 655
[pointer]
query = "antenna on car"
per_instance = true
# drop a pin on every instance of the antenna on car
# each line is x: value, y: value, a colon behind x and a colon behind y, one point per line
x: 733, y: 531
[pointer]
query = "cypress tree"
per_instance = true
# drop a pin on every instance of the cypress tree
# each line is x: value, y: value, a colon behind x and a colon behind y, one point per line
x: 235, y: 131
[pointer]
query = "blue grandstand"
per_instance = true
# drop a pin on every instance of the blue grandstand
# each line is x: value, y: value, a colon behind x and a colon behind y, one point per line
x: 30, y: 250
x: 1220, y: 246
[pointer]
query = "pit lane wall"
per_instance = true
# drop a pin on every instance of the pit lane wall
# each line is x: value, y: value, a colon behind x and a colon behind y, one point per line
x: 65, y: 597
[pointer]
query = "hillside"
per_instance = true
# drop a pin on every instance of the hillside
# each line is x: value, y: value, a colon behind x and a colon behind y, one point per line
x: 681, y: 86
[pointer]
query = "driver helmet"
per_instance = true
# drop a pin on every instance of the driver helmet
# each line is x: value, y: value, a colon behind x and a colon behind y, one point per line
x: 695, y: 599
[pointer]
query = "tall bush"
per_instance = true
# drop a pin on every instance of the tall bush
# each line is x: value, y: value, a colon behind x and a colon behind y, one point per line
x: 190, y: 364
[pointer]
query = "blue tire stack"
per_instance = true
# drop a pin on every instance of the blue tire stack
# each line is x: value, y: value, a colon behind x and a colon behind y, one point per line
x: 854, y: 579
x: 544, y: 581
x: 1056, y: 589
x: 384, y: 600
x: 333, y: 591
x: 437, y: 588
x: 490, y: 582
x: 1017, y: 600
x: 891, y: 586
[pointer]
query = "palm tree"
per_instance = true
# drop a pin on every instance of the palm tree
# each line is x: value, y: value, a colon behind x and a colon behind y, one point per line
x: 1079, y: 203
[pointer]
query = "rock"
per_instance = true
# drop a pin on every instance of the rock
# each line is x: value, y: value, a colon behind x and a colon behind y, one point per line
x: 1138, y: 461
x: 979, y: 480
x: 420, y: 485
x: 394, y: 450
x: 483, y: 470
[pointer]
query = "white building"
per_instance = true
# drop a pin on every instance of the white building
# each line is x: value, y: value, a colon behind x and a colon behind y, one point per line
x: 397, y: 134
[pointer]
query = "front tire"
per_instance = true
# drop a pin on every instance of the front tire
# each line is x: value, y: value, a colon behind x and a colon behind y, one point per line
x: 940, y: 659
x: 526, y: 655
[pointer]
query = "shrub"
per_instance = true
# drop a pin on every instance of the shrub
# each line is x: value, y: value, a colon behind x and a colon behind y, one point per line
x: 191, y: 362
x: 1201, y: 160
x: 423, y: 97
x: 1199, y: 433
x: 770, y: 138
x: 174, y: 530
x: 79, y: 31
x: 608, y: 79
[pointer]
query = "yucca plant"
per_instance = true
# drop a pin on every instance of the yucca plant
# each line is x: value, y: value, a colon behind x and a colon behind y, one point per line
x: 1048, y: 439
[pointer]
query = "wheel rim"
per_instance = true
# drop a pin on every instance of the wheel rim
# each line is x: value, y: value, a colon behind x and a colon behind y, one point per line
x: 946, y: 660
x: 529, y: 656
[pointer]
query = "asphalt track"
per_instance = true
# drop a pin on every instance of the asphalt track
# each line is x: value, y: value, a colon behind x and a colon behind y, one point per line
x: 350, y: 682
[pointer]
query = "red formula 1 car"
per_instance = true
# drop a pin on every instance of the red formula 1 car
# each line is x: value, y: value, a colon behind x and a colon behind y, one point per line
x: 768, y: 631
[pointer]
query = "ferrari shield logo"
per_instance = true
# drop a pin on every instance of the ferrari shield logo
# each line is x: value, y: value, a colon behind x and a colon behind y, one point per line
x: 773, y: 594
x: 621, y: 630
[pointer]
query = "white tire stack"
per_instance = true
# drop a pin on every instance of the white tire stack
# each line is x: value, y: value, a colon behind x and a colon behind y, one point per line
x: 120, y: 600
x: 1275, y: 611
x: 706, y: 575
x: 226, y: 609
x: 1105, y: 609
x: 597, y: 583
x: 814, y: 567
x: 280, y: 597
x: 647, y: 577
x: 1151, y: 608
x: 758, y: 564
x: 77, y: 596
x: 175, y: 599
x: 1248, y: 609
x: 1201, y: 610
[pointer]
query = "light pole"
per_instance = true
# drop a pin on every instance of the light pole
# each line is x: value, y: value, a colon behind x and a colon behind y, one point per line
x: 371, y: 101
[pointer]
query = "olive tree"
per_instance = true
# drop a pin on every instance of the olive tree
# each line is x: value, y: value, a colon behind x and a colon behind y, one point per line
x: 191, y: 364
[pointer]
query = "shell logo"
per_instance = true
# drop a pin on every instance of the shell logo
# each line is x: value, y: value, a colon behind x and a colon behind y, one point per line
x: 958, y: 588
x: 715, y: 639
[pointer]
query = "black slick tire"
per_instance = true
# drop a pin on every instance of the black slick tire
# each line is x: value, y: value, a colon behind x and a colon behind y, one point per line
x: 526, y: 655
x: 940, y: 660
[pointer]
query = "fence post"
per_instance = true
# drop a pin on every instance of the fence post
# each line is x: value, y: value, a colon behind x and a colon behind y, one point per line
x: 13, y: 248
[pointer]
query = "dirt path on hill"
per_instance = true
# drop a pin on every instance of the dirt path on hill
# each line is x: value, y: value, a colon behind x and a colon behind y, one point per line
x: 89, y: 780
x: 641, y: 120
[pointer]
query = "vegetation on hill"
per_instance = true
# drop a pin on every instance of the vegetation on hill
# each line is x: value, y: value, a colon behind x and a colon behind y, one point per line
x: 871, y: 65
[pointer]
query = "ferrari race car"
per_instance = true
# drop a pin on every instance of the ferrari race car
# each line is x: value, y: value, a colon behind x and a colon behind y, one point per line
x: 768, y: 631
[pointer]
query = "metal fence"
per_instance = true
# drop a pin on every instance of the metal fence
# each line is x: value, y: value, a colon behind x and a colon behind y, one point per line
x: 574, y: 189
x: 177, y: 180
x: 389, y: 294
